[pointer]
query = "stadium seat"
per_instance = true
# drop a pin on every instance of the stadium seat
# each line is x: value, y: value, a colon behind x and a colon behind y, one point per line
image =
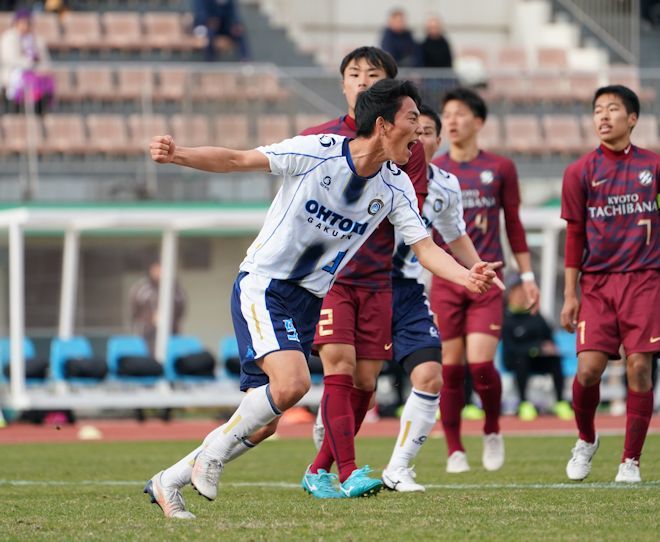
x: 17, y: 126
x: 191, y: 130
x: 173, y: 84
x: 565, y: 342
x: 490, y: 136
x: 229, y: 357
x: 177, y: 346
x: 62, y: 350
x: 143, y: 128
x: 512, y: 58
x: 645, y: 134
x: 217, y: 86
x: 547, y: 86
x: 65, y: 85
x: 123, y: 30
x: 624, y: 74
x: 127, y: 345
x: 552, y: 58
x: 47, y: 26
x: 273, y: 128
x: 82, y: 30
x: 135, y: 83
x: 108, y: 134
x: 29, y: 352
x: 96, y: 84
x: 511, y: 87
x: 523, y: 134
x: 582, y: 85
x: 590, y: 138
x: 164, y: 31
x: 263, y: 86
x: 563, y: 134
x: 65, y: 134
x: 304, y: 121
x: 232, y: 131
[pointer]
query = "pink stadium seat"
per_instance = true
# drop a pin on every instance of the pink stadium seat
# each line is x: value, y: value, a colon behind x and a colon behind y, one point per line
x: 65, y: 134
x: 143, y: 128
x: 108, y: 134
x: 65, y: 86
x: 563, y: 134
x: 217, y: 86
x: 582, y: 85
x: 623, y: 74
x: 173, y: 84
x: 551, y: 58
x: 645, y: 134
x: 522, y: 134
x: 96, y: 84
x: 588, y: 131
x: 135, y: 83
x: 490, y: 136
x: 123, y: 30
x: 548, y: 87
x: 82, y: 30
x: 263, y: 86
x: 512, y: 58
x: 163, y: 30
x: 17, y: 134
x: 273, y: 128
x: 47, y: 26
x: 232, y: 131
x: 513, y: 87
x: 191, y: 130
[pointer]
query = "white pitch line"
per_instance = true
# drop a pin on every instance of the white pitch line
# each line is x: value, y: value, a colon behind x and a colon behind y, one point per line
x: 654, y: 484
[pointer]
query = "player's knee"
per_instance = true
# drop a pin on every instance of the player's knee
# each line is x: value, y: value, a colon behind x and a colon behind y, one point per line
x: 588, y: 376
x: 426, y: 379
x: 288, y: 395
x: 639, y: 373
x: 365, y: 382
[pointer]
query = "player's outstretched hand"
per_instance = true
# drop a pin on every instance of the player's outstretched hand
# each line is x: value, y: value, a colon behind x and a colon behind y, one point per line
x: 496, y: 281
x: 162, y: 149
x: 569, y: 314
x: 480, y: 278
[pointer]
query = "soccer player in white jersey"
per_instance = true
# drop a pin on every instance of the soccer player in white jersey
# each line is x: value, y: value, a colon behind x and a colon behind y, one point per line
x: 415, y: 338
x: 335, y: 192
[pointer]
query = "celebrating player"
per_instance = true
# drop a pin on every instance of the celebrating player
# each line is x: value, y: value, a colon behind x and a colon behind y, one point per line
x: 470, y: 325
x: 610, y: 204
x: 335, y: 193
x: 414, y: 335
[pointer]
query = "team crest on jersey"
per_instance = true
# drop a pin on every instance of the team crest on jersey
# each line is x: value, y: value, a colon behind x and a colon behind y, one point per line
x: 327, y: 141
x: 487, y: 176
x: 325, y: 182
x: 645, y: 177
x: 438, y: 204
x: 375, y: 205
x: 291, y: 331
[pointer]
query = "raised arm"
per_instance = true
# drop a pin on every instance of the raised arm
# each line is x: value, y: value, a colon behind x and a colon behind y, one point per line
x: 478, y: 279
x: 214, y: 159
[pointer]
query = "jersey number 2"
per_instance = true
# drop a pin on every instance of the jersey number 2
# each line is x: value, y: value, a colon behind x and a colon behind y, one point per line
x: 334, y: 264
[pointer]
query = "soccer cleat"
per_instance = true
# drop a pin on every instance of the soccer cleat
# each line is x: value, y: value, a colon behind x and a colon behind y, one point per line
x: 563, y: 411
x: 579, y: 465
x: 472, y: 412
x: 321, y: 485
x: 629, y: 472
x: 358, y: 484
x: 493, y: 455
x: 401, y: 479
x: 205, y: 475
x: 457, y: 463
x: 527, y: 412
x: 169, y: 498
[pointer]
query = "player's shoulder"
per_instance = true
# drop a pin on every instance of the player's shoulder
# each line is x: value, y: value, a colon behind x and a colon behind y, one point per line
x: 646, y: 154
x: 577, y: 166
x: 442, y: 178
x: 393, y: 174
x: 496, y: 161
x: 332, y: 126
x: 320, y: 145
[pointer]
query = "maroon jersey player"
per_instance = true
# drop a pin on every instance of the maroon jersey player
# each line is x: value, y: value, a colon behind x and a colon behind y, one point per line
x: 470, y: 326
x: 610, y: 204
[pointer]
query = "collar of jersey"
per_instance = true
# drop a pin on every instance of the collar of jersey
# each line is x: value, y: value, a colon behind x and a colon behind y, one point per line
x: 345, y: 150
x: 350, y: 122
x: 617, y: 155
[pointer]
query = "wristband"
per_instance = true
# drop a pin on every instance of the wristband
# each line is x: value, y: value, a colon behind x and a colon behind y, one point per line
x: 527, y: 276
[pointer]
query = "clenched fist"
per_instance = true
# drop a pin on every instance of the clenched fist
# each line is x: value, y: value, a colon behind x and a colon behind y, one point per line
x: 162, y: 149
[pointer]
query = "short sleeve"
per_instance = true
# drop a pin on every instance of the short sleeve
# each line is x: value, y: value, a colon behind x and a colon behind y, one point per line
x: 448, y: 220
x: 300, y: 154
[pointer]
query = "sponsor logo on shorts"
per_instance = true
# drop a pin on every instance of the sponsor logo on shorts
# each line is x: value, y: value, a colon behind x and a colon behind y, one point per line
x: 388, y: 346
x: 375, y: 205
x: 645, y: 177
x: 291, y: 332
x: 494, y: 327
x: 654, y: 340
x: 433, y: 332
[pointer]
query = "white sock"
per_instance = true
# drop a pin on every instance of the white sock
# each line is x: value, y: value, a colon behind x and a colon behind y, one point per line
x: 319, y: 418
x: 256, y: 410
x: 417, y: 420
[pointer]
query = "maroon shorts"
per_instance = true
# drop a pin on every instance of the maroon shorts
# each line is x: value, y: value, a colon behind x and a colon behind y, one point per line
x: 619, y: 309
x: 358, y: 316
x: 460, y: 312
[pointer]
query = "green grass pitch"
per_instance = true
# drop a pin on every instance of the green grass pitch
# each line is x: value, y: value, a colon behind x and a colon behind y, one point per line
x: 93, y: 491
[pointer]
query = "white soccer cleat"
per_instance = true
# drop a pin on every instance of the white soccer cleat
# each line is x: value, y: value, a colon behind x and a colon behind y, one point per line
x: 318, y: 431
x: 629, y: 472
x: 401, y: 479
x: 493, y: 455
x: 169, y: 498
x: 579, y: 465
x: 205, y: 475
x: 457, y: 463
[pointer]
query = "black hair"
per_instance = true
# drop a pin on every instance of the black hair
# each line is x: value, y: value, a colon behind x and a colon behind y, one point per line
x: 427, y: 111
x: 382, y: 99
x: 628, y: 97
x: 469, y: 97
x: 375, y: 57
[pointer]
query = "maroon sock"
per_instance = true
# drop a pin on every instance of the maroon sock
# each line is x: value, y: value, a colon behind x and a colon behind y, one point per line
x: 452, y: 399
x: 339, y: 423
x: 585, y: 403
x: 360, y: 402
x: 488, y: 385
x: 639, y: 409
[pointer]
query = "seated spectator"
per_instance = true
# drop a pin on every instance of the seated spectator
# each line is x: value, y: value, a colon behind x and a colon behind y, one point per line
x: 528, y: 348
x: 220, y: 23
x: 23, y: 61
x: 399, y: 41
x: 436, y: 51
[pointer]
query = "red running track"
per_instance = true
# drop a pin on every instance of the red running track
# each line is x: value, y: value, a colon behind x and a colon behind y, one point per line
x: 131, y: 430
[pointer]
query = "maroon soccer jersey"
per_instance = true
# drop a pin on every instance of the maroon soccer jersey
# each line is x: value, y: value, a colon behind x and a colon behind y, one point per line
x: 614, y: 197
x: 488, y: 183
x: 371, y: 266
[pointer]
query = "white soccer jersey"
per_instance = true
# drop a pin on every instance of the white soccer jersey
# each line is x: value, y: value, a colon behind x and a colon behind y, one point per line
x: 324, y: 211
x: 442, y: 210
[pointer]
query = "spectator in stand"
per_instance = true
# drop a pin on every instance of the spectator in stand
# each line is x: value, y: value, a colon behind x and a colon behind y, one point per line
x: 220, y: 19
x: 399, y: 41
x: 436, y: 51
x: 23, y: 60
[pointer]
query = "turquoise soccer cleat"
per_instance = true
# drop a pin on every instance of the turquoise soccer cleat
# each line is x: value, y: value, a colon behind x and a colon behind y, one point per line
x: 321, y: 485
x: 358, y: 484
